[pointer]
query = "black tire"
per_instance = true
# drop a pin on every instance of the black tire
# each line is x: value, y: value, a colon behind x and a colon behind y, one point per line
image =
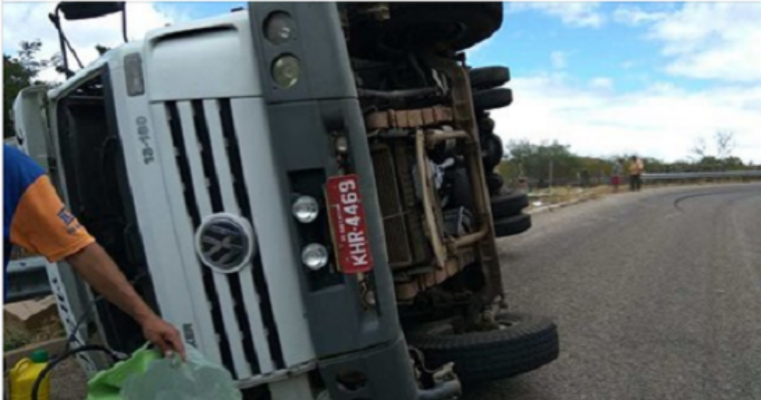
x: 508, y: 205
x: 494, y: 150
x: 492, y: 99
x: 527, y: 343
x: 489, y: 77
x: 511, y: 226
x: 494, y: 182
x: 422, y: 26
x: 485, y: 126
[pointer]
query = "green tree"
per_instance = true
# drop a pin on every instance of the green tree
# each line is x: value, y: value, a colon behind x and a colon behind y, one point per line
x: 20, y: 72
x: 535, y: 160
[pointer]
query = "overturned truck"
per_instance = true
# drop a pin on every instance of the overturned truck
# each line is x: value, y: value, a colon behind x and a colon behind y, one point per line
x: 306, y: 190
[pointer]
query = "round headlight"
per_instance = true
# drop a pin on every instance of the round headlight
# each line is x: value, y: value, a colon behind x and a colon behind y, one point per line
x: 286, y: 70
x: 315, y: 256
x: 305, y: 209
x: 279, y: 28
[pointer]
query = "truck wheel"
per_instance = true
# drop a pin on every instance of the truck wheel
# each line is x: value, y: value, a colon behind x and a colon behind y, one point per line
x: 512, y: 225
x: 491, y: 99
x: 493, y: 150
x: 421, y: 26
x: 489, y: 77
x: 508, y: 204
x: 485, y: 126
x: 494, y: 182
x: 522, y: 344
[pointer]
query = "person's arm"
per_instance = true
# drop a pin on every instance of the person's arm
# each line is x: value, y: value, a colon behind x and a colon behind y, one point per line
x: 41, y: 224
x: 97, y: 268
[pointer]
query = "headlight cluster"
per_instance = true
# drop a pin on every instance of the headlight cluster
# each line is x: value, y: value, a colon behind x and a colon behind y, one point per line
x: 306, y: 209
x: 279, y: 29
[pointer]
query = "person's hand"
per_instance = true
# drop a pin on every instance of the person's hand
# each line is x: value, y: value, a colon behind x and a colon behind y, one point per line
x: 165, y: 336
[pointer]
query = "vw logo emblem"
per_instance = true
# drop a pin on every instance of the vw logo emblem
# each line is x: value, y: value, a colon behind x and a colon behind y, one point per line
x: 225, y: 242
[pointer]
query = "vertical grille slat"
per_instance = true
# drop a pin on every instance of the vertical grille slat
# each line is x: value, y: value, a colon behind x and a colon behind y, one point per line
x: 175, y: 128
x: 202, y: 133
x: 182, y: 161
x: 241, y: 194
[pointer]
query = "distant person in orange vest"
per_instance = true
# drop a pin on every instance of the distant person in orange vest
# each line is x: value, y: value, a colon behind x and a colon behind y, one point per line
x: 636, y: 168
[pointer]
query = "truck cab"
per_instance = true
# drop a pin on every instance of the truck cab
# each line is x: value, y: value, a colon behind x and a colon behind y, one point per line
x: 302, y: 193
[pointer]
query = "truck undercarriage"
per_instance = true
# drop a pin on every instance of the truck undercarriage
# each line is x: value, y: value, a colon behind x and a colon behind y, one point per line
x: 434, y: 153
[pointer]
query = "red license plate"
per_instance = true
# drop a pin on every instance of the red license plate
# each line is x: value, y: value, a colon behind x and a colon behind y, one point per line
x: 348, y: 225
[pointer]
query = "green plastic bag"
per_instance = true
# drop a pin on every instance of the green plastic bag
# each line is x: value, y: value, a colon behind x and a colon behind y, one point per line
x: 171, y: 379
x: 107, y: 385
x: 148, y: 376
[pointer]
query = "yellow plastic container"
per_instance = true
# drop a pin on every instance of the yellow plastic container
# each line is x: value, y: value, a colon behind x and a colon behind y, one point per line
x: 25, y: 373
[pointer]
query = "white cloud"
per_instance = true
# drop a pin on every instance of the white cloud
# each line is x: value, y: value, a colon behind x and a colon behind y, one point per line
x: 28, y: 21
x: 572, y: 14
x: 660, y: 121
x: 635, y: 16
x: 601, y: 83
x: 558, y: 60
x: 706, y: 40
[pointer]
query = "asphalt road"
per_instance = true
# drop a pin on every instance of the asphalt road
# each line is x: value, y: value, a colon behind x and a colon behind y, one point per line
x: 657, y: 295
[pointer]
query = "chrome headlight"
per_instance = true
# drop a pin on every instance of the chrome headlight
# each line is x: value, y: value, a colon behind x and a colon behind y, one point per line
x: 279, y: 28
x: 305, y: 209
x: 314, y: 256
x: 286, y: 71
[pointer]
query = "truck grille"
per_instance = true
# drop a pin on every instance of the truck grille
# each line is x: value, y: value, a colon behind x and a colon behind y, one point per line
x: 210, y: 167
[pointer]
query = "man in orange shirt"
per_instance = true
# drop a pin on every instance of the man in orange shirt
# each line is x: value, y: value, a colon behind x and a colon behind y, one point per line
x: 636, y: 168
x: 36, y: 219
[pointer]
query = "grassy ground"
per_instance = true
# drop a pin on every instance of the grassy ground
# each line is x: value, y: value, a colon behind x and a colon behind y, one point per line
x: 16, y: 338
x: 558, y: 195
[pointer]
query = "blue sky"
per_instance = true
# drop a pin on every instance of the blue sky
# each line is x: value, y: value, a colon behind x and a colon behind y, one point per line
x: 622, y: 52
x: 530, y: 38
x: 196, y: 10
x: 606, y: 78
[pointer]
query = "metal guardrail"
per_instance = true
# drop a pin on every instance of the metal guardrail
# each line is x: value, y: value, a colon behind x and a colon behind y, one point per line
x: 27, y: 278
x: 701, y: 175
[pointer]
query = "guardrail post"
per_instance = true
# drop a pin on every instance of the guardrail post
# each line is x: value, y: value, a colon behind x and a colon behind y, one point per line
x: 27, y: 279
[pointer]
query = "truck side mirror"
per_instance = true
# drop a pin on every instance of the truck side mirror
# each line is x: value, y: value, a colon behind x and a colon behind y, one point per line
x: 75, y: 10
